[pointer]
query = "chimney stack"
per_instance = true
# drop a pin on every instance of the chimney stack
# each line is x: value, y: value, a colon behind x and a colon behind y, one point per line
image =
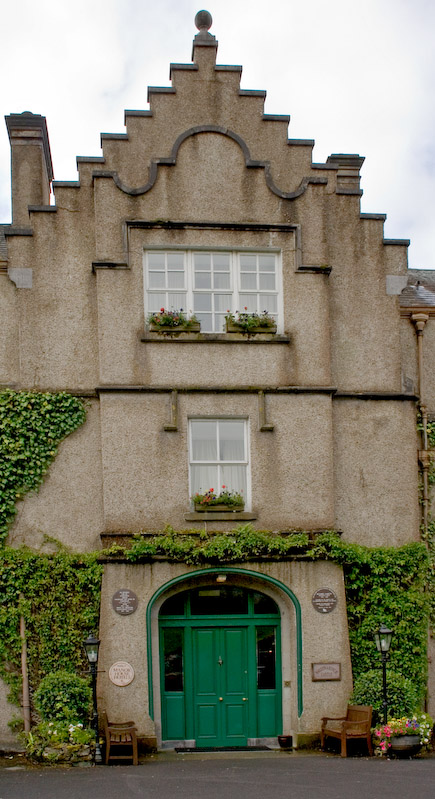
x: 31, y: 167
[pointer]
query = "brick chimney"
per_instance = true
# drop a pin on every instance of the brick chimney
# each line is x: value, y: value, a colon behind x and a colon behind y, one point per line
x: 31, y: 167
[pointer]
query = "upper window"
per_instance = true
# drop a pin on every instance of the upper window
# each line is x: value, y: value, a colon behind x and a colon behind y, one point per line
x: 209, y: 284
x: 218, y: 456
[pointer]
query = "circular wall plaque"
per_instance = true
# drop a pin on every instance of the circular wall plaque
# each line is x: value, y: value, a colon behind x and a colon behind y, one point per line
x: 124, y: 601
x: 121, y: 673
x: 324, y: 600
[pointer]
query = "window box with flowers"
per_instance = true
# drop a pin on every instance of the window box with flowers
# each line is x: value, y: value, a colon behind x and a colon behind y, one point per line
x: 405, y: 736
x: 172, y: 323
x: 250, y: 323
x: 226, y: 501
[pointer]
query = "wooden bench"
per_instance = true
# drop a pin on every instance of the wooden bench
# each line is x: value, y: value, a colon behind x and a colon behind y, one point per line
x: 356, y: 724
x: 120, y: 735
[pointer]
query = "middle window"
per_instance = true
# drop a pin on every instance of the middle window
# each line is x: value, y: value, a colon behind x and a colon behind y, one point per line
x: 210, y: 284
x: 218, y: 456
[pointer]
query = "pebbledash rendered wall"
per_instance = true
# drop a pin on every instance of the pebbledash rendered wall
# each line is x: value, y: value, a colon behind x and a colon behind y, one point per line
x: 330, y: 399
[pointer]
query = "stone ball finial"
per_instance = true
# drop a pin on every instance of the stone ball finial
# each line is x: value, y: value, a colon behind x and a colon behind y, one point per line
x: 203, y: 20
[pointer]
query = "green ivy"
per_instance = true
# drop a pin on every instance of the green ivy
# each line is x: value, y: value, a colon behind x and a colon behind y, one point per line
x: 31, y: 427
x: 59, y: 597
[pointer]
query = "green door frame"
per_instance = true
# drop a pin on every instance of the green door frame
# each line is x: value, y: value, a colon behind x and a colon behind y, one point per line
x: 225, y: 570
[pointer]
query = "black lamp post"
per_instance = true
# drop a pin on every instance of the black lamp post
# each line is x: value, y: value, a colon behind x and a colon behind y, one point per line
x: 91, y: 646
x: 383, y: 642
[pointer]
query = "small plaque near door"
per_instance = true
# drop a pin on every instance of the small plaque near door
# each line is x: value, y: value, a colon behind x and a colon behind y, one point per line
x: 324, y: 600
x: 325, y: 671
x: 121, y: 673
x: 124, y: 601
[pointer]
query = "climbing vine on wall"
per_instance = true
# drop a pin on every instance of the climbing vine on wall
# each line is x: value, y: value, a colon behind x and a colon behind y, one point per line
x: 31, y: 427
x: 59, y: 597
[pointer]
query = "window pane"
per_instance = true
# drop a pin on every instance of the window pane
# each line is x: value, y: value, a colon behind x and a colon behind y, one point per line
x: 231, y: 440
x: 267, y: 282
x: 206, y: 321
x: 156, y: 280
x: 176, y: 300
x: 202, y: 302
x: 234, y: 478
x: 213, y: 601
x: 202, y: 280
x: 221, y: 262
x: 266, y: 263
x: 263, y: 603
x: 222, y: 302
x: 266, y: 657
x: 173, y: 657
x: 219, y: 322
x: 175, y: 260
x: 176, y: 280
x: 202, y: 260
x: 248, y: 263
x: 204, y: 445
x: 156, y: 260
x: 248, y: 282
x: 269, y: 302
x: 203, y: 478
x: 222, y: 280
x: 248, y: 301
x: 174, y: 606
x: 156, y: 301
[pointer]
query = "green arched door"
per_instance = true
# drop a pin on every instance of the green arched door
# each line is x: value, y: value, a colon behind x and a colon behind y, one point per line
x: 220, y: 666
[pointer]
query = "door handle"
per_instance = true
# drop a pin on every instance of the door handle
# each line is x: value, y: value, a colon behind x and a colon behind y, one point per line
x: 244, y: 699
x: 221, y: 699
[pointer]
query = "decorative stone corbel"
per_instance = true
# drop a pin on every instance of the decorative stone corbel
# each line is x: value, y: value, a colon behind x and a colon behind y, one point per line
x: 262, y: 422
x: 172, y: 426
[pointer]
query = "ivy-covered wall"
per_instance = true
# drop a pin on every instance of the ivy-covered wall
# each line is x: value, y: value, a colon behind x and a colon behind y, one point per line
x: 32, y: 425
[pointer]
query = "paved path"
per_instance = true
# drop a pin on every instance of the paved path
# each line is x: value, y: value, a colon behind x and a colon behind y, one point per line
x: 225, y: 776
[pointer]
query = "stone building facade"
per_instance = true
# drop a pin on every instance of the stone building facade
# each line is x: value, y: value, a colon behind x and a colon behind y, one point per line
x: 205, y: 204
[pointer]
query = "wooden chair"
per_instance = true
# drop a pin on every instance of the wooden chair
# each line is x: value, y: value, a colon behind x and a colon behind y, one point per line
x: 120, y: 734
x: 356, y: 724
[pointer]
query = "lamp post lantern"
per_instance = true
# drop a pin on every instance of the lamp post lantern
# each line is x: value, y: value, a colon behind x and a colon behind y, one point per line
x: 91, y: 646
x: 383, y: 641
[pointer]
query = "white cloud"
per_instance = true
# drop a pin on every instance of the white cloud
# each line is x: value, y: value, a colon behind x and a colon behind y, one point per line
x: 355, y: 77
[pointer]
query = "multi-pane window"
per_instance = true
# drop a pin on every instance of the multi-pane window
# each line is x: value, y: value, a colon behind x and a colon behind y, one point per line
x: 209, y: 284
x: 218, y: 456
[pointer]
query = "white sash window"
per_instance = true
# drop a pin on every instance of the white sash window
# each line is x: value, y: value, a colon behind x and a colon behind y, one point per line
x: 211, y: 283
x: 219, y: 456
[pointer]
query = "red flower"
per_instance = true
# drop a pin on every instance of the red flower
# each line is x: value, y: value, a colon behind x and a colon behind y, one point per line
x: 223, y: 486
x: 162, y: 310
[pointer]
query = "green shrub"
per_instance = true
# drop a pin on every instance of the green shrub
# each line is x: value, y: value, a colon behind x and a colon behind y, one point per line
x: 402, y: 698
x: 63, y: 696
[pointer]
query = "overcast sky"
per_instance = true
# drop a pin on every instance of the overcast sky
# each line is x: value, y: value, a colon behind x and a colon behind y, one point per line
x: 356, y: 77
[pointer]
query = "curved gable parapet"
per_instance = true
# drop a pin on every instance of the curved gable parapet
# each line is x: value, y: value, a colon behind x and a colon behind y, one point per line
x: 249, y: 163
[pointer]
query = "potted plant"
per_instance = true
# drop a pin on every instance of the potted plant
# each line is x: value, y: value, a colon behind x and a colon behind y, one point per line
x: 226, y: 500
x: 172, y: 322
x: 249, y: 323
x: 403, y: 736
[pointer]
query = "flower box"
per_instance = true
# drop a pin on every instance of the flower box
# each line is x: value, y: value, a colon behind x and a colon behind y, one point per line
x: 175, y: 330
x: 218, y: 507
x: 235, y: 327
x: 405, y: 745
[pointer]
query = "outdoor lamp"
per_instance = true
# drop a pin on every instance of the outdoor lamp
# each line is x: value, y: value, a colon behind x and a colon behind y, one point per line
x: 91, y: 646
x: 383, y: 640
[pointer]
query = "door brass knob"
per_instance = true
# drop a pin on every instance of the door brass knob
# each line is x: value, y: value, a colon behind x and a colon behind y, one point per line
x: 244, y: 699
x: 221, y: 699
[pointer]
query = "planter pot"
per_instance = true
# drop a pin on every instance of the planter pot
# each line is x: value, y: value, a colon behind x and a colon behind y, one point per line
x: 170, y: 330
x: 285, y: 741
x: 233, y: 327
x: 405, y: 745
x: 218, y: 508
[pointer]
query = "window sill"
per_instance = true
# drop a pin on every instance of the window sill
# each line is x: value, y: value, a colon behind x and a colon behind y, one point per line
x: 220, y: 516
x: 215, y: 338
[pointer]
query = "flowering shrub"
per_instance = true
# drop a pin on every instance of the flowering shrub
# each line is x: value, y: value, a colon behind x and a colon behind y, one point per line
x: 52, y: 741
x: 63, y: 696
x: 233, y: 499
x: 175, y: 319
x: 248, y: 321
x: 419, y: 724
